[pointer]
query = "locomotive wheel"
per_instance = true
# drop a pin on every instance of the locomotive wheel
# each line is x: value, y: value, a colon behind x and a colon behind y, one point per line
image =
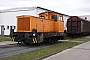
x: 26, y: 35
x: 55, y: 40
x: 26, y: 43
x: 52, y: 40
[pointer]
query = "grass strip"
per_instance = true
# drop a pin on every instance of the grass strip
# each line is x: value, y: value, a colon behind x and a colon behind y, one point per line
x: 84, y: 39
x: 4, y: 38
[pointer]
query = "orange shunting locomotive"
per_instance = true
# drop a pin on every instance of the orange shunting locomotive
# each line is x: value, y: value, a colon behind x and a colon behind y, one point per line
x: 48, y: 27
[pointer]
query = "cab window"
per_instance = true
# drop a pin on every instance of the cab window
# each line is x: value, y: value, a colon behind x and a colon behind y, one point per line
x: 42, y: 16
x: 60, y: 18
x: 54, y: 17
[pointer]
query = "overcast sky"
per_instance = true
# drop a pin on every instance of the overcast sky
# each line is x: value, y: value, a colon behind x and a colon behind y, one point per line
x: 69, y: 7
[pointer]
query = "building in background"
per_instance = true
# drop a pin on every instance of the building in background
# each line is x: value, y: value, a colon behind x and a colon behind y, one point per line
x: 8, y: 17
x: 87, y: 17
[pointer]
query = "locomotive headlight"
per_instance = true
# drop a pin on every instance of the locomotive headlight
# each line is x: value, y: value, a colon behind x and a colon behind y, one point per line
x: 34, y: 34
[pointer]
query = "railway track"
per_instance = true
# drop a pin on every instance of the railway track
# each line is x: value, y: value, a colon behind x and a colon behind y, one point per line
x: 13, y: 49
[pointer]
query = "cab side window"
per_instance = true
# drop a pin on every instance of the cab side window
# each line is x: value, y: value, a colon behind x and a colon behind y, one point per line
x: 60, y: 18
x: 54, y: 17
x: 42, y: 16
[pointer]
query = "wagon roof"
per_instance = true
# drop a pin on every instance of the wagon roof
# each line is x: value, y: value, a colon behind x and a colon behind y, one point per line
x: 79, y: 18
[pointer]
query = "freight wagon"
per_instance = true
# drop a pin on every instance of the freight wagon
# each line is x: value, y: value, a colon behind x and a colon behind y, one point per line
x: 77, y: 26
x: 48, y: 27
